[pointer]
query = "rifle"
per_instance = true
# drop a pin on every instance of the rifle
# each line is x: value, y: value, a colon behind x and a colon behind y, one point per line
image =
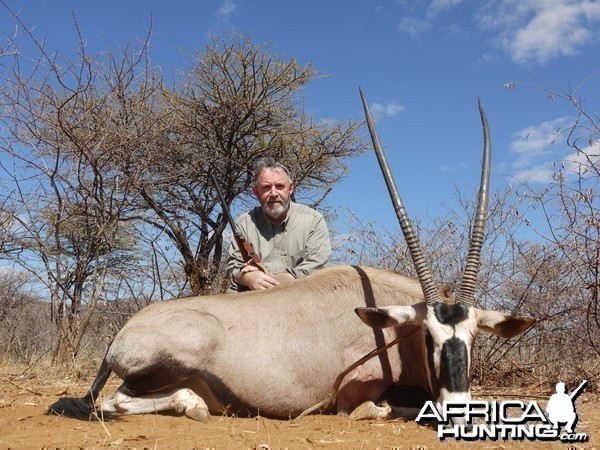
x: 244, y: 246
x: 577, y: 391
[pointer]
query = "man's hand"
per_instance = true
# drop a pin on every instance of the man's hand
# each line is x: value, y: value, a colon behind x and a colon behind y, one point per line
x: 255, y: 279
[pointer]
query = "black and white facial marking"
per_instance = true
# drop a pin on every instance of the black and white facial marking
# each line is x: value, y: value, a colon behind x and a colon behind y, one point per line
x: 449, y: 330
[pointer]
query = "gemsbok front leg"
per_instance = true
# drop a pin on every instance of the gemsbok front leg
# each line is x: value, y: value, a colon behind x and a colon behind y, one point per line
x: 183, y: 401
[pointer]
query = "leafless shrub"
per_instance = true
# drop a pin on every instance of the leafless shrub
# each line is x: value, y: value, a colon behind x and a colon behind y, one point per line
x: 24, y: 320
x: 518, y: 275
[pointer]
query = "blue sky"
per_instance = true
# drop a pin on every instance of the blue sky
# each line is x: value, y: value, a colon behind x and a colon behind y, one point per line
x: 421, y: 64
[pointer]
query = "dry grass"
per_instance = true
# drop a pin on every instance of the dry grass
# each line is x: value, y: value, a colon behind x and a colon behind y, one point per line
x: 25, y: 393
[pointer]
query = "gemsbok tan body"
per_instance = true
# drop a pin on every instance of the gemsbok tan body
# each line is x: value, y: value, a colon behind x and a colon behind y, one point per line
x: 278, y: 352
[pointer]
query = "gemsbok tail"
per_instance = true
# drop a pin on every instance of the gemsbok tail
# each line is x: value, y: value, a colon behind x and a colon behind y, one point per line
x: 82, y: 408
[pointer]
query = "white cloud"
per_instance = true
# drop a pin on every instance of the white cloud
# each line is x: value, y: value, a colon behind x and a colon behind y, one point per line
x: 530, y: 31
x: 537, y: 31
x: 389, y: 109
x: 413, y: 26
x: 226, y: 10
x: 438, y: 6
x: 580, y: 162
x: 488, y: 58
x: 535, y: 142
x: 540, y: 174
x: 541, y: 151
x: 456, y: 30
x: 454, y: 168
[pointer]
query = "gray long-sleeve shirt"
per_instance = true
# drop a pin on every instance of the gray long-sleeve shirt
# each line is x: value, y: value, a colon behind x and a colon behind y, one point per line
x: 300, y: 245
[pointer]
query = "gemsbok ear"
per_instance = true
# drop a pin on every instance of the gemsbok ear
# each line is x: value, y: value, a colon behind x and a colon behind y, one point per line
x: 387, y: 316
x: 503, y: 325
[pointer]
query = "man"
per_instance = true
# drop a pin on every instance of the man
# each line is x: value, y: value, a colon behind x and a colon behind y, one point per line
x: 561, y: 408
x: 291, y: 239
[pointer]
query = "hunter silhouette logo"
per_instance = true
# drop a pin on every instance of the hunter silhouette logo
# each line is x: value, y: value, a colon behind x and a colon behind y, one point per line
x: 561, y: 407
x: 510, y: 419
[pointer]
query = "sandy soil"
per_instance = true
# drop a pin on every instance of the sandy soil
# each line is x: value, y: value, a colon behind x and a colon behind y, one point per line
x: 24, y: 397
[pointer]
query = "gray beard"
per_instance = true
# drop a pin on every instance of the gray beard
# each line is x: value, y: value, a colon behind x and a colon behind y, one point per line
x: 277, y: 211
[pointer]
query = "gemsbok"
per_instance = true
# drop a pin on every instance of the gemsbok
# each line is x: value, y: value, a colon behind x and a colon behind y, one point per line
x: 278, y: 352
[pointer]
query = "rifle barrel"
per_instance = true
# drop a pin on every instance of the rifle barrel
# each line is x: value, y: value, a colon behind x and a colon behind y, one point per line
x: 224, y: 207
x: 576, y: 392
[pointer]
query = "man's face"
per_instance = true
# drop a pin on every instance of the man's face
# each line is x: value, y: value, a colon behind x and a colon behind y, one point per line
x: 273, y: 190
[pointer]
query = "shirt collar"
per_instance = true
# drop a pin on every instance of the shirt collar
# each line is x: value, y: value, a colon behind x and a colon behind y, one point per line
x: 282, y: 225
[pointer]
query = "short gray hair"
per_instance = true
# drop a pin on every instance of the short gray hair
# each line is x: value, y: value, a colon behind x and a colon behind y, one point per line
x: 269, y: 163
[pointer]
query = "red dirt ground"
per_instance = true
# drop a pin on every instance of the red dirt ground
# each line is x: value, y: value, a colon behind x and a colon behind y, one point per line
x: 25, y: 395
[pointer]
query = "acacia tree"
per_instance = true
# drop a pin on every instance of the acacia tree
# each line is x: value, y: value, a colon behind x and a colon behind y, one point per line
x: 71, y: 129
x: 104, y: 167
x: 236, y: 104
